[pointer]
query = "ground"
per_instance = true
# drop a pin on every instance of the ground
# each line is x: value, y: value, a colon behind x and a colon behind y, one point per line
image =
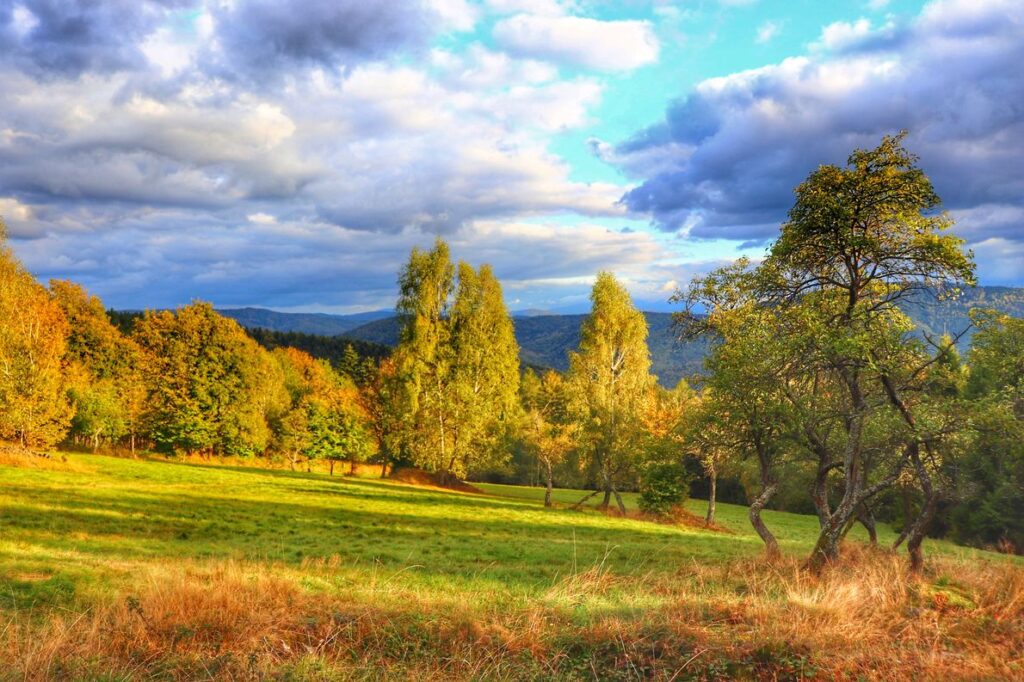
x: 117, y: 567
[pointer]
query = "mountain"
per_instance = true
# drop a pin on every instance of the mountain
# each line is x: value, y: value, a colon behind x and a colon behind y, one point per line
x: 321, y: 324
x: 546, y: 339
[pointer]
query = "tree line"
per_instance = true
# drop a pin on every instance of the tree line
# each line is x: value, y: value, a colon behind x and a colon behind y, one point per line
x: 815, y: 396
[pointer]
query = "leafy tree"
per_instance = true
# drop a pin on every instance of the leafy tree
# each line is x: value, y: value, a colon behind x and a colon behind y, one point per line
x: 860, y: 240
x: 610, y: 383
x: 485, y: 372
x: 34, y: 408
x: 992, y: 476
x: 108, y: 392
x: 424, y: 355
x: 458, y: 363
x: 213, y: 389
x: 547, y: 430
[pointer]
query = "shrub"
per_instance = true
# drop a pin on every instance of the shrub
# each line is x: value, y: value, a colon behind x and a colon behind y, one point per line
x: 662, y: 487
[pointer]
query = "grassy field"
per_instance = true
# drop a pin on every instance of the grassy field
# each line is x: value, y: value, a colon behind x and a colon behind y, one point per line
x: 123, y: 569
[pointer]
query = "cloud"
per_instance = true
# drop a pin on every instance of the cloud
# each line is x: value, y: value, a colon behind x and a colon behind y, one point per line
x: 262, y: 37
x: 579, y: 41
x: 724, y: 161
x: 767, y: 31
x: 301, y: 264
x: 65, y: 38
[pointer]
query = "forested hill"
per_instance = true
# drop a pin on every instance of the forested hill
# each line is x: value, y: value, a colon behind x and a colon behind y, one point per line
x: 321, y: 324
x: 546, y: 340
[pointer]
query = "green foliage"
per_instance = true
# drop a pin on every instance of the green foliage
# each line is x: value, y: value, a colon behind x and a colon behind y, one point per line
x: 213, y: 389
x: 457, y: 363
x: 610, y: 383
x: 663, y: 487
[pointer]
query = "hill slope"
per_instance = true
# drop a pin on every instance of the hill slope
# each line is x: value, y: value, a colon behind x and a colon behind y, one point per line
x: 122, y: 569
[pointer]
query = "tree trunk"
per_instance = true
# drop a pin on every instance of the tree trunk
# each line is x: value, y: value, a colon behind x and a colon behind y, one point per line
x: 550, y: 485
x: 607, y: 501
x: 908, y: 515
x: 352, y: 467
x: 771, y: 545
x: 331, y: 465
x: 867, y: 519
x: 709, y: 518
x: 618, y: 500
x: 384, y: 469
x: 131, y: 442
x: 768, y: 489
x: 585, y: 498
x: 917, y: 532
x: 712, y: 493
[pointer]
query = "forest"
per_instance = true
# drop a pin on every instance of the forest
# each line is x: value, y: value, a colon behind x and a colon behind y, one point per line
x: 817, y: 395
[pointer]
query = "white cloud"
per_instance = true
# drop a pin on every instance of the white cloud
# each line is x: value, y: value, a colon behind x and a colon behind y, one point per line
x: 767, y: 31
x: 580, y: 41
x: 842, y: 34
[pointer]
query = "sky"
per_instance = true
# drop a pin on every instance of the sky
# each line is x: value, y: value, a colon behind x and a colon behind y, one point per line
x: 288, y: 155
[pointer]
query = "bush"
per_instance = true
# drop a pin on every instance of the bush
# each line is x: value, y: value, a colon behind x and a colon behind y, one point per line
x: 663, y: 487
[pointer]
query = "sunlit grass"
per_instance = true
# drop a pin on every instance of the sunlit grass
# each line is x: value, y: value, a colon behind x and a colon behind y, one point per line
x: 116, y: 543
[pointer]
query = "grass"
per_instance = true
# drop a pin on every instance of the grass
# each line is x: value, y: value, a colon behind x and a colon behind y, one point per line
x: 118, y: 568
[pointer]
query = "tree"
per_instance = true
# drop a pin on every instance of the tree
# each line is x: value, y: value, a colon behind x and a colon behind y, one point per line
x: 992, y: 470
x: 610, y: 381
x: 34, y: 407
x: 213, y: 389
x: 108, y: 391
x: 424, y: 354
x: 547, y: 431
x: 485, y: 372
x: 859, y: 240
x: 458, y: 362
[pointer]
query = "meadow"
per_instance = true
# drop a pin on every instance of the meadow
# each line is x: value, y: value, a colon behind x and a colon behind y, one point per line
x: 124, y: 569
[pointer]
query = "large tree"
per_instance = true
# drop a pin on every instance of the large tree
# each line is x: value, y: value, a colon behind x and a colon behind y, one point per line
x: 610, y: 383
x: 860, y: 240
x: 458, y: 362
x: 108, y: 390
x: 34, y: 408
x: 213, y: 390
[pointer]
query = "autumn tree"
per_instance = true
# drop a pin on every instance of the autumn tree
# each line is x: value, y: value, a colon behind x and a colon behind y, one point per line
x: 34, y: 408
x: 485, y: 372
x: 108, y: 390
x: 609, y: 381
x: 547, y: 431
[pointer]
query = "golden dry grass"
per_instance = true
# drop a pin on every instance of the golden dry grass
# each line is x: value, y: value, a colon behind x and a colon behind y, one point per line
x: 864, y: 619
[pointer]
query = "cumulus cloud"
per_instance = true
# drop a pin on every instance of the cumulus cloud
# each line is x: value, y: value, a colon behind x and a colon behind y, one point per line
x: 259, y: 37
x: 69, y: 37
x: 169, y: 170
x: 580, y: 41
x: 727, y: 156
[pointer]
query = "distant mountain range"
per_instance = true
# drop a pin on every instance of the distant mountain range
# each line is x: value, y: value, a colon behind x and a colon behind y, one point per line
x: 546, y: 339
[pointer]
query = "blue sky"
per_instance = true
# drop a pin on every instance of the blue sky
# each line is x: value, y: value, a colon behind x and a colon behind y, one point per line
x: 288, y: 155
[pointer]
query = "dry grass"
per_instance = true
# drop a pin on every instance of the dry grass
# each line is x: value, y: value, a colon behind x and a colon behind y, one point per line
x: 23, y: 458
x: 864, y: 619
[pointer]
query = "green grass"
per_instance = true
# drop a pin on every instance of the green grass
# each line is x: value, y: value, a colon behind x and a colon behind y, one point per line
x: 167, y: 560
x: 91, y: 527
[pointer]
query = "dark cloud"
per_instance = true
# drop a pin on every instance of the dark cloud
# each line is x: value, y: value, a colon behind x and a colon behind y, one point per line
x: 261, y: 37
x: 69, y: 37
x: 724, y: 161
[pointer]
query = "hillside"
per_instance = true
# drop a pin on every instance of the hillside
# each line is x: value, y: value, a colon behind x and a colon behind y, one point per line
x: 321, y: 324
x: 110, y: 566
x: 546, y: 339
